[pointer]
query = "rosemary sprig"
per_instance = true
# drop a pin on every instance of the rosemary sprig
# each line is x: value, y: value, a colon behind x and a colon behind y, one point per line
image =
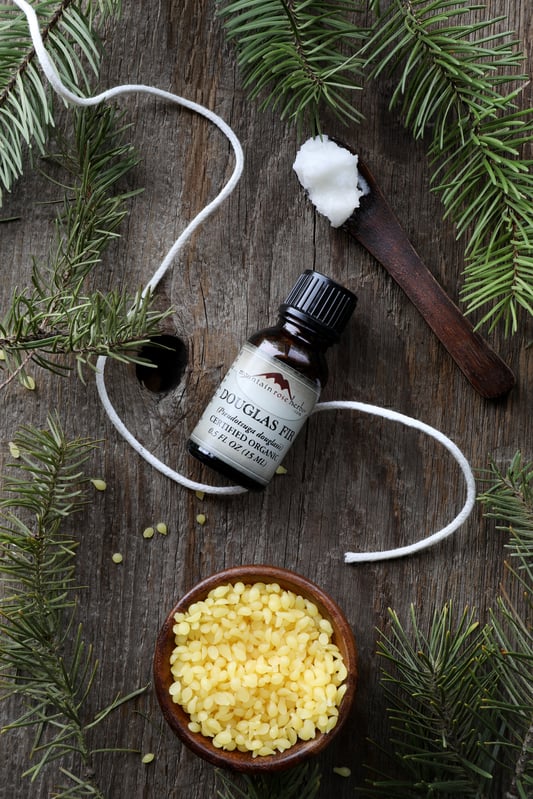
x: 55, y: 320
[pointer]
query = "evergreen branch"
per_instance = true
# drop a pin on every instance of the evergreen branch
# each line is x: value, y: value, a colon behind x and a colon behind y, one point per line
x: 509, y: 497
x: 26, y: 108
x: 436, y: 686
x: 114, y: 325
x: 292, y: 53
x: 95, y: 161
x: 488, y: 190
x: 462, y: 697
x: 457, y: 82
x: 38, y: 559
x: 78, y: 789
x: 512, y: 659
x: 300, y: 782
x: 41, y: 662
x: 446, y: 70
x: 55, y: 320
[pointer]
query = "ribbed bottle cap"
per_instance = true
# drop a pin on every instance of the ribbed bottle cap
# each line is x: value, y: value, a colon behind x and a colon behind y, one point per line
x: 318, y: 300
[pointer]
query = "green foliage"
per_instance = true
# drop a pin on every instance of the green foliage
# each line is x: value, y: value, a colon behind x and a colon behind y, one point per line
x: 293, y: 54
x: 44, y: 660
x: 300, y: 782
x: 459, y: 83
x: 56, y: 320
x: 26, y: 104
x: 509, y: 497
x: 436, y: 687
x: 462, y: 697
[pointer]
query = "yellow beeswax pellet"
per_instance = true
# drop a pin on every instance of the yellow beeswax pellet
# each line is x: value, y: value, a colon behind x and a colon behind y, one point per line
x: 256, y: 668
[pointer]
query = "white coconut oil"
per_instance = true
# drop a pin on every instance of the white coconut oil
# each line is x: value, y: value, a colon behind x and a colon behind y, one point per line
x: 329, y: 174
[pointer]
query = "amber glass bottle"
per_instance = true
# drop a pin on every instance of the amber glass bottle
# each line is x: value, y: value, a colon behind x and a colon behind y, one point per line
x: 273, y: 385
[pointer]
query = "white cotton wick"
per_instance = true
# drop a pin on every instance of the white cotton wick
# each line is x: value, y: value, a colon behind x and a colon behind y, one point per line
x: 330, y: 176
x: 329, y: 173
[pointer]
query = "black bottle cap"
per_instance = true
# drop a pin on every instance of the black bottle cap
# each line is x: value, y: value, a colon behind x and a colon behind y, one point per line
x: 317, y: 300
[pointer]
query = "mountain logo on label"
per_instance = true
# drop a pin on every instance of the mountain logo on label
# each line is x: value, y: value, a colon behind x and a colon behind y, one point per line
x: 279, y: 380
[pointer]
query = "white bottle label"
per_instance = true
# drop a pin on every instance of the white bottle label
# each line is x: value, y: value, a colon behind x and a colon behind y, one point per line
x: 255, y: 414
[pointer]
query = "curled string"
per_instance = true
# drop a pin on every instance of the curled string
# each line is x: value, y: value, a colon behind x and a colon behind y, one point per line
x: 408, y: 421
x: 63, y: 91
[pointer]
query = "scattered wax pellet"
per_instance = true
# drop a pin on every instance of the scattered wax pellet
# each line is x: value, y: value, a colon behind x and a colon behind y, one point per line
x: 148, y: 532
x: 161, y: 528
x: 200, y: 494
x: 28, y: 382
x: 342, y: 771
x: 281, y: 470
x: 201, y: 518
x: 99, y: 484
x: 14, y: 450
x: 116, y: 557
x: 148, y: 757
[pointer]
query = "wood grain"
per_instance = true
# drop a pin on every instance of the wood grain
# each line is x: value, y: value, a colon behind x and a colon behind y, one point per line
x: 352, y: 482
x: 375, y: 226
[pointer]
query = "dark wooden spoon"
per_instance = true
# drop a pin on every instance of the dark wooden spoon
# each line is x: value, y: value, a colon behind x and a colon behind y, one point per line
x: 375, y: 226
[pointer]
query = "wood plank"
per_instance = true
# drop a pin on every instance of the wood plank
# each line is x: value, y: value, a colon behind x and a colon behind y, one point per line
x: 353, y: 482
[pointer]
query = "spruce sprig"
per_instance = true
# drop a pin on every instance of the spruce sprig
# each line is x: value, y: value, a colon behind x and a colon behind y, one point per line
x: 26, y: 103
x: 44, y: 660
x: 459, y: 83
x: 461, y: 696
x: 436, y: 685
x: 294, y: 55
x: 509, y: 497
x: 56, y: 320
x: 300, y: 782
x: 441, y: 64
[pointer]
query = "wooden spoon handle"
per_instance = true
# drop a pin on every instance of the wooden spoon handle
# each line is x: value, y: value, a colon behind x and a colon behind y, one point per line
x: 375, y: 226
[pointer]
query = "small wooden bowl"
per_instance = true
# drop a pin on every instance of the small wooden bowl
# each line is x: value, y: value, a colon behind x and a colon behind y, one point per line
x: 178, y: 719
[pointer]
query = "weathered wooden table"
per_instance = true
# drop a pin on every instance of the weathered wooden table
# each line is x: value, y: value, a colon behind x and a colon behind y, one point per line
x: 353, y: 482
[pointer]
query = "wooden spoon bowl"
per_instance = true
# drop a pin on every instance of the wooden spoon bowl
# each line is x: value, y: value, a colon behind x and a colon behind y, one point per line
x: 179, y: 720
